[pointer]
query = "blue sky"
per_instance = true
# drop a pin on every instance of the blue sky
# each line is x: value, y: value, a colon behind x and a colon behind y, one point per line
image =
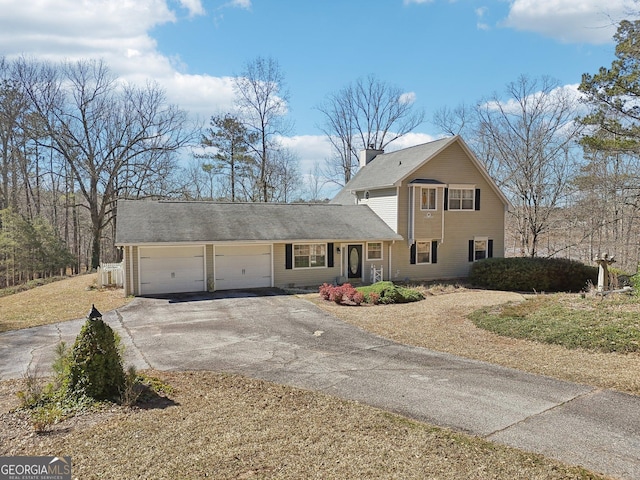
x: 444, y: 52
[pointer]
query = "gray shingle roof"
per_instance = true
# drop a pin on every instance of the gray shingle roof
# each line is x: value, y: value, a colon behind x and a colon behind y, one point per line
x: 387, y: 169
x: 141, y: 221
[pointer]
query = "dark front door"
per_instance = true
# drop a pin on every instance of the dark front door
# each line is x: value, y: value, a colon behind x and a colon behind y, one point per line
x: 354, y: 261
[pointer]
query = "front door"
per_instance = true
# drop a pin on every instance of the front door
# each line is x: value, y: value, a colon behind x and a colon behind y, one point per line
x: 354, y: 261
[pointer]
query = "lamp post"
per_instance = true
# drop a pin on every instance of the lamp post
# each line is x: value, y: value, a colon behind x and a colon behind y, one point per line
x: 94, y: 314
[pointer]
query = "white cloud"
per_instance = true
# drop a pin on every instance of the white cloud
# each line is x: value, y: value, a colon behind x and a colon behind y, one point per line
x: 589, y: 21
x: 480, y: 13
x: 246, y: 4
x: 407, y: 98
x: 194, y: 6
x: 417, y: 2
x: 116, y: 31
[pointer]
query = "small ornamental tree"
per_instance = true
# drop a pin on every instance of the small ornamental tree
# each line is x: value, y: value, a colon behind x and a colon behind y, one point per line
x: 96, y: 365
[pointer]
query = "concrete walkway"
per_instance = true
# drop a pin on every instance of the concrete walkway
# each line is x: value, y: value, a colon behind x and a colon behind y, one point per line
x: 290, y: 341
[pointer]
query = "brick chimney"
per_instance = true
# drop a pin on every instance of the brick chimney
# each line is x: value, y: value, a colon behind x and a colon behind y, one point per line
x: 369, y: 154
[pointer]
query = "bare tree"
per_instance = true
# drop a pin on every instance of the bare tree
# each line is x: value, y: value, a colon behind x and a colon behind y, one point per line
x: 529, y: 141
x: 117, y: 139
x: 366, y: 114
x: 262, y: 102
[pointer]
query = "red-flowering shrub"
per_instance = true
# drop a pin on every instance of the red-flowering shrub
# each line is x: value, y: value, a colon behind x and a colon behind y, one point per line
x: 325, y: 290
x: 374, y: 298
x: 345, y: 293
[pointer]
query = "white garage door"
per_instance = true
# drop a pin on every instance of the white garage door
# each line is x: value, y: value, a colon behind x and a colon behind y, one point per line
x: 171, y: 270
x: 246, y: 266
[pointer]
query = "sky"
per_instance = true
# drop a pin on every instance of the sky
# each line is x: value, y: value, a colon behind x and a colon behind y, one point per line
x: 442, y: 53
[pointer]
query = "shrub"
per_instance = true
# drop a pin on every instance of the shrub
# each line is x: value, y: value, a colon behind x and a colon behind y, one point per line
x: 96, y: 364
x: 532, y: 274
x: 387, y: 292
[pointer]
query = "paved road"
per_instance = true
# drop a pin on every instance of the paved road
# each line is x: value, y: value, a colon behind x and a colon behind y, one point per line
x: 288, y: 340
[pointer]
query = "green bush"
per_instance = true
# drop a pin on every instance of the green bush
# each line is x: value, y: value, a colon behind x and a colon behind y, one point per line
x: 388, y: 292
x: 96, y: 363
x: 526, y: 274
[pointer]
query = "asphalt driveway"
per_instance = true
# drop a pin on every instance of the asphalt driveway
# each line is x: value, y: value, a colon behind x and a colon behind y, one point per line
x: 290, y: 341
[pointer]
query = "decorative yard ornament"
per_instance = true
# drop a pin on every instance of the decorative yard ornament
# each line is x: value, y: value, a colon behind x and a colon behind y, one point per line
x: 603, y: 262
x: 94, y: 314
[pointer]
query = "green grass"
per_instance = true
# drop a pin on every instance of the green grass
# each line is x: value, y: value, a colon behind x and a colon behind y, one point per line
x: 604, y: 325
x: 391, y: 293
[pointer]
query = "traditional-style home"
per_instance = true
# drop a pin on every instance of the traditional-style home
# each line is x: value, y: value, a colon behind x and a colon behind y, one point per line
x: 425, y: 212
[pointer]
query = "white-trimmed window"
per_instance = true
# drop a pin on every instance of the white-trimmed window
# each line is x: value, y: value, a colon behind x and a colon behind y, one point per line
x: 461, y: 198
x: 480, y: 247
x: 423, y: 252
x: 374, y: 251
x: 311, y: 255
x: 428, y: 198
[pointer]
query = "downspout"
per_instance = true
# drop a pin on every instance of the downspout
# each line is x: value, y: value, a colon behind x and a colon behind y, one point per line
x: 443, y: 213
x: 410, y: 223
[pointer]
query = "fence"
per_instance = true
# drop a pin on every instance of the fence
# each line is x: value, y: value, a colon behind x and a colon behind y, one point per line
x: 110, y: 274
x: 376, y: 274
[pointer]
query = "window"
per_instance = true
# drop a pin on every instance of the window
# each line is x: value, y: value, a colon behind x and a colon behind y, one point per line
x: 428, y: 199
x: 480, y: 249
x: 423, y: 252
x: 461, y: 198
x: 310, y: 256
x: 374, y: 251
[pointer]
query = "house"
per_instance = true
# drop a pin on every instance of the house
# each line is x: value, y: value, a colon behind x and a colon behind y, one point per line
x: 425, y: 212
x: 442, y: 201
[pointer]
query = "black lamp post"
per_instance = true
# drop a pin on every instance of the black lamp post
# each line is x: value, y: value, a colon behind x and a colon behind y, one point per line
x: 94, y: 314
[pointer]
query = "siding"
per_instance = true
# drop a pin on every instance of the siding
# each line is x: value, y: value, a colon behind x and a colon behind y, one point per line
x: 303, y: 276
x: 384, y: 203
x: 450, y: 166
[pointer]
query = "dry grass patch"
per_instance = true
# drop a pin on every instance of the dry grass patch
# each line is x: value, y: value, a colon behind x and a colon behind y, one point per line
x: 226, y: 426
x: 440, y: 323
x: 67, y: 299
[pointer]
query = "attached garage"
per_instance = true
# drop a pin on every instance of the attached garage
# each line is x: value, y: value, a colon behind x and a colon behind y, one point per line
x: 242, y: 266
x: 171, y: 269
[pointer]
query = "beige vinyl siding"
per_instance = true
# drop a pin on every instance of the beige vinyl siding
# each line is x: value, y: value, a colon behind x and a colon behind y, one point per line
x: 452, y: 166
x: 384, y: 203
x: 300, y: 277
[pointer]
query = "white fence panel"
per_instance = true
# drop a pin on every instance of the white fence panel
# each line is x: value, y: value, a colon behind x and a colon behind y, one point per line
x: 110, y: 274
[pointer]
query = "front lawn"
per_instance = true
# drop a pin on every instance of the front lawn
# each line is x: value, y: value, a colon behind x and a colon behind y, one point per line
x: 610, y: 324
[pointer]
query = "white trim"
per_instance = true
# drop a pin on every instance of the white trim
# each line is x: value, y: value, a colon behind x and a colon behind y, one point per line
x: 462, y: 188
x: 486, y: 247
x: 293, y: 256
x: 381, y: 252
x: 435, y: 207
x: 428, y: 242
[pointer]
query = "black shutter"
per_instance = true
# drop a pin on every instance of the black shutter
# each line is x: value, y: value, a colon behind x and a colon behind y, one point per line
x: 288, y: 256
x: 446, y: 199
x: 471, y: 251
x: 434, y: 251
x: 330, y: 255
x: 490, y: 249
x: 413, y: 254
x: 477, y: 199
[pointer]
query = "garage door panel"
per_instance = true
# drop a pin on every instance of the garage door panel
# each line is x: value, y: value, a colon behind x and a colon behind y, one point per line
x: 242, y: 267
x: 171, y: 270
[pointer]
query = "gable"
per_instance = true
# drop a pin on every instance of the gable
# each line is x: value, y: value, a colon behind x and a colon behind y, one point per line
x: 452, y: 162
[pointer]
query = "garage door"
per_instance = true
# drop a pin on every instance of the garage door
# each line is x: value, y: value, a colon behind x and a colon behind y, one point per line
x: 242, y: 267
x: 171, y: 270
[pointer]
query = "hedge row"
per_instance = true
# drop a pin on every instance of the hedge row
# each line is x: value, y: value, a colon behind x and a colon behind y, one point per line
x: 525, y: 274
